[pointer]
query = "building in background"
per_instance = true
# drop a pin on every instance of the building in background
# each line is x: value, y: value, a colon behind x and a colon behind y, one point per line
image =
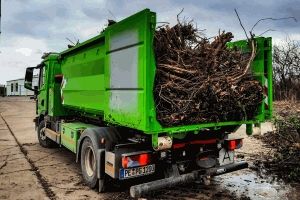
x: 16, y: 87
x: 2, y: 90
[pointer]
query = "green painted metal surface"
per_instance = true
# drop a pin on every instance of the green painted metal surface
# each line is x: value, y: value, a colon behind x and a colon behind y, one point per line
x: 70, y: 133
x: 83, y: 77
x: 111, y: 76
x: 55, y: 107
x: 43, y: 89
x: 262, y: 69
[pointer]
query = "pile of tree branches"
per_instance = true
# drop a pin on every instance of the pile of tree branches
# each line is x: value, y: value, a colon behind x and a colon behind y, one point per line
x: 199, y: 80
x: 285, y: 141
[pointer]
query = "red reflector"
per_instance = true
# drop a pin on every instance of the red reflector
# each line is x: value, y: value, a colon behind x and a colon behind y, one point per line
x: 231, y: 145
x: 181, y: 145
x: 124, y: 162
x: 178, y: 145
x: 136, y: 160
x: 209, y: 141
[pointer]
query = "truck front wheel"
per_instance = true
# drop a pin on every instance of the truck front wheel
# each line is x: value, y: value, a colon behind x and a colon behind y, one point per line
x: 89, y: 163
x: 43, y: 140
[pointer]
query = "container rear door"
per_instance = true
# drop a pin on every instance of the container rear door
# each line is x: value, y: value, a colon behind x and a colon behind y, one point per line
x: 127, y: 51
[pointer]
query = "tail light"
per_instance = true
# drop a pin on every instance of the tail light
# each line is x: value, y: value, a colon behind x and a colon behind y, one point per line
x: 233, y: 144
x: 136, y: 160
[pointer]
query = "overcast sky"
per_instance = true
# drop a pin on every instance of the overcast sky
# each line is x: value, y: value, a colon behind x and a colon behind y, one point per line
x: 31, y: 27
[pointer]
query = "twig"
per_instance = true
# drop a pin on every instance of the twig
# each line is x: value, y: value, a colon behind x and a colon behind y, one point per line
x: 271, y: 18
x: 253, y: 53
x: 241, y: 23
x: 70, y: 41
x: 178, y: 21
x: 112, y: 14
x: 266, y: 31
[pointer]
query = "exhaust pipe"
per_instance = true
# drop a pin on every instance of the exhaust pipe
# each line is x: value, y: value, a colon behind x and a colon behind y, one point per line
x: 137, y: 191
x: 226, y: 168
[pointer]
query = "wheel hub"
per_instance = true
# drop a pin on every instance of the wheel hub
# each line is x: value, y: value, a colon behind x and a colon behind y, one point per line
x: 90, y: 161
x: 42, y: 134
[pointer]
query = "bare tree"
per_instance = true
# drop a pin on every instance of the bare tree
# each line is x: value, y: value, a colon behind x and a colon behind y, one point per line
x: 286, y: 65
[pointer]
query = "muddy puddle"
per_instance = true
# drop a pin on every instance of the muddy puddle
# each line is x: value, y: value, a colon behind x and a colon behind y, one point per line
x: 250, y: 184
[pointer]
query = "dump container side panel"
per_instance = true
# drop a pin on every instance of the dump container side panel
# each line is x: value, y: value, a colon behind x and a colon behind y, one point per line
x: 83, y: 78
x: 257, y: 67
x: 126, y: 63
x: 262, y: 70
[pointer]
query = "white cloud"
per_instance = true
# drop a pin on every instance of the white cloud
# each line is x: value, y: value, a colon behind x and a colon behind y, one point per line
x: 17, y: 53
x: 33, y: 27
x: 24, y: 51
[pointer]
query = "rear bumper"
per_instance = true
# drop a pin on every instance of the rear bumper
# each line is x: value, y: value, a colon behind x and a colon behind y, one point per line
x: 138, y: 190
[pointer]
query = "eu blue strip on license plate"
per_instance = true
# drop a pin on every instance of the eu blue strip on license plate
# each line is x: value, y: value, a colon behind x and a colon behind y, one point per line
x: 136, y: 171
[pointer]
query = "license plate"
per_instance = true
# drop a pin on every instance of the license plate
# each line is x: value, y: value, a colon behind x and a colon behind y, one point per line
x: 137, y: 171
x: 226, y: 157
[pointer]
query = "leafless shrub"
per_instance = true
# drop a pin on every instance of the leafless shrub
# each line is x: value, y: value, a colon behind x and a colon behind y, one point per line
x: 286, y: 66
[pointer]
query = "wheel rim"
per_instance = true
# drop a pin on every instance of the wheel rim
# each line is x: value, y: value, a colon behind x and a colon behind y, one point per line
x: 90, y: 161
x: 42, y: 134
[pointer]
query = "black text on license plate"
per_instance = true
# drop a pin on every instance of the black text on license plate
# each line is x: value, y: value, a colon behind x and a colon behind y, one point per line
x: 137, y: 171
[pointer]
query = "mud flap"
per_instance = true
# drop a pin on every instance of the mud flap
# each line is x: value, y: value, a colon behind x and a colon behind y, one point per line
x: 100, y: 169
x: 100, y: 163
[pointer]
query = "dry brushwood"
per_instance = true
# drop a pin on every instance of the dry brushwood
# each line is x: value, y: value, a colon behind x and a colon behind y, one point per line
x: 201, y: 81
x: 285, y: 162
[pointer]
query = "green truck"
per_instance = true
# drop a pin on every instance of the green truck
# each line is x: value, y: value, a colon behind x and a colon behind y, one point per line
x: 96, y: 99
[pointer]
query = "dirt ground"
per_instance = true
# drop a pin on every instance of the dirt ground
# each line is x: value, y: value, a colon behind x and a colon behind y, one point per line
x: 28, y: 171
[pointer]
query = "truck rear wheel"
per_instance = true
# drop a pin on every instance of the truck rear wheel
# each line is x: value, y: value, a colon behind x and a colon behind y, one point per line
x: 43, y: 140
x: 92, y: 164
x: 89, y: 163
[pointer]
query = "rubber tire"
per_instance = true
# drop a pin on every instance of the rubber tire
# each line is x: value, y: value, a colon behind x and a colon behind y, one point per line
x: 112, y: 137
x: 47, y: 143
x: 90, y: 181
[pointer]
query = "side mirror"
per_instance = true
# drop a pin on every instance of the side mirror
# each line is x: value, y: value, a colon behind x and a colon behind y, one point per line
x: 28, y: 79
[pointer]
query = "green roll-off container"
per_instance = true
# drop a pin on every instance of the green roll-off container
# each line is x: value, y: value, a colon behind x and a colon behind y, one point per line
x: 112, y: 76
x: 97, y: 100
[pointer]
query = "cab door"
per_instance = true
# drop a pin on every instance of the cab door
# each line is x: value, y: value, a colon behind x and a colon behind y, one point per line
x: 42, y: 99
